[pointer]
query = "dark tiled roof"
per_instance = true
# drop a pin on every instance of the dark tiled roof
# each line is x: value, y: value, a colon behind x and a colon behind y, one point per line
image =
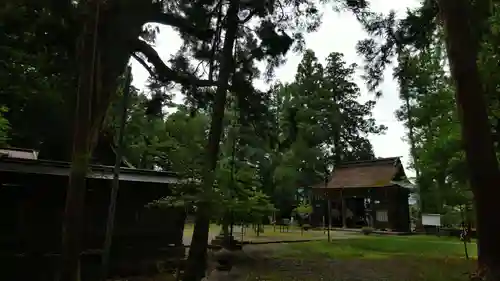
x: 372, y: 173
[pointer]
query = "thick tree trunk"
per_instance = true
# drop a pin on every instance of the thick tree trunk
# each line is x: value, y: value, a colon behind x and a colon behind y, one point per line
x: 462, y: 47
x: 73, y: 219
x: 103, y: 58
x: 196, y: 263
x: 75, y: 196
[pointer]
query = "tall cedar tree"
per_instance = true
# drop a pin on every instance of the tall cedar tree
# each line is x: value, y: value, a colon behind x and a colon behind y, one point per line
x: 231, y: 61
x: 251, y: 31
x: 465, y: 25
x: 306, y: 118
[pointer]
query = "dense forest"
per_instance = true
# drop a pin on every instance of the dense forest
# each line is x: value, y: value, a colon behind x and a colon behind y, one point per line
x: 61, y: 83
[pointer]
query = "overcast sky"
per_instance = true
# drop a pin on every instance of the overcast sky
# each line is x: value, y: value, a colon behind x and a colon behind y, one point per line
x: 339, y: 32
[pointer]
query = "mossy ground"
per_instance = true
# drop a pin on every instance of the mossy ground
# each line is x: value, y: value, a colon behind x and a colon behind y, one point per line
x: 357, y: 258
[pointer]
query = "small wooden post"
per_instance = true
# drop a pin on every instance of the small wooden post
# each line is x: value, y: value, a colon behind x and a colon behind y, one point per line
x: 274, y: 221
x: 324, y: 225
x: 329, y: 219
x: 344, y: 221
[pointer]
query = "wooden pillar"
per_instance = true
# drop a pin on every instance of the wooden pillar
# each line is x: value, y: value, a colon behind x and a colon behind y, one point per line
x: 390, y: 208
x: 328, y: 214
x: 342, y: 199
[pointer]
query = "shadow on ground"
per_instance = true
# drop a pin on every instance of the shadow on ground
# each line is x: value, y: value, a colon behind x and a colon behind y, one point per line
x: 355, y: 259
x: 266, y: 262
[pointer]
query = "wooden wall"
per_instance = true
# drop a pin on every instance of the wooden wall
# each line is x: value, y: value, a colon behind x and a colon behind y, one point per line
x: 31, y: 212
x: 395, y: 201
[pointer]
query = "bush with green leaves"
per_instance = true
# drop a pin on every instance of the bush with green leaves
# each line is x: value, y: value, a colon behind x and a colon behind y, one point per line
x: 304, y: 210
x: 4, y: 126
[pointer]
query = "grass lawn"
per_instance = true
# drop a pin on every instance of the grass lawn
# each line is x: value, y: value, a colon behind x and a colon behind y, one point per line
x: 357, y: 258
x: 377, y: 247
x: 436, y: 239
x: 365, y: 258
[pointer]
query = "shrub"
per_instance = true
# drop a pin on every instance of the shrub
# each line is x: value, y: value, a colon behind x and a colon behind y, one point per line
x: 367, y: 230
x: 4, y: 127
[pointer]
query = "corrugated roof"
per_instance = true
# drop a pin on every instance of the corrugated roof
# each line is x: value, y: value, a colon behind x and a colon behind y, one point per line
x: 372, y: 173
x: 44, y: 167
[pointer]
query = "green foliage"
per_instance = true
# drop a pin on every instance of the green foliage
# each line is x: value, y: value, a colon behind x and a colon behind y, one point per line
x: 176, y: 143
x: 304, y: 210
x: 264, y: 35
x: 4, y: 127
x: 237, y: 177
x: 252, y: 209
x: 435, y: 127
x: 314, y: 122
x: 35, y: 74
x: 255, y: 170
x: 266, y: 161
x: 222, y: 46
x: 428, y: 92
x: 388, y: 36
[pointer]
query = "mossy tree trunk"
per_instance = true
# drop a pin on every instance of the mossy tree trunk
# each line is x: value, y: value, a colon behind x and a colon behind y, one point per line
x: 102, y: 59
x: 110, y: 33
x: 75, y: 197
x: 463, y: 23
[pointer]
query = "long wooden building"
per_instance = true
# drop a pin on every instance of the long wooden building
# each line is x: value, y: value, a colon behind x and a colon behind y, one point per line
x: 371, y: 193
x: 32, y: 199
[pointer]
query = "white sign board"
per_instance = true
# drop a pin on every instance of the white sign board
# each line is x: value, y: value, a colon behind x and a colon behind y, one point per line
x: 431, y: 219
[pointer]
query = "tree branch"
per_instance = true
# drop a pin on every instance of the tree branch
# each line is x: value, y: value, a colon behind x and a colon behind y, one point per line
x: 162, y: 72
x: 248, y: 17
x: 144, y: 64
x: 184, y: 25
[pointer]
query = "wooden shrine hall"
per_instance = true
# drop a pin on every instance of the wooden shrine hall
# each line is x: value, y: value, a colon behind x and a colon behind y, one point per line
x: 371, y: 193
x: 32, y: 200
